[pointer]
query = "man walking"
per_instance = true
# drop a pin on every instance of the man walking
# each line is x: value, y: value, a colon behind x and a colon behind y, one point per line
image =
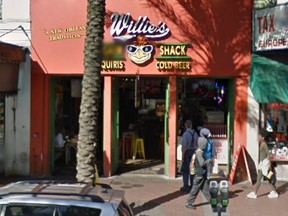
x: 200, y: 179
x: 189, y: 145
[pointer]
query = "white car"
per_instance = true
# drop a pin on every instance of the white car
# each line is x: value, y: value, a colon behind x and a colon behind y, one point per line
x: 50, y: 198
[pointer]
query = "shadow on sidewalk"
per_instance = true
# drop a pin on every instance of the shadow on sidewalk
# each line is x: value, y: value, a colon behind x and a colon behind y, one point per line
x: 156, y: 202
x: 283, y: 188
x: 234, y: 194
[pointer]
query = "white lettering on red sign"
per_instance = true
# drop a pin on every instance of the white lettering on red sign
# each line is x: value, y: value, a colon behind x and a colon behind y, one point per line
x: 125, y: 28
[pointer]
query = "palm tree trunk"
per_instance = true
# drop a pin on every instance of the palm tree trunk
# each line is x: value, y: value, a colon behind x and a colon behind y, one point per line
x: 91, y: 92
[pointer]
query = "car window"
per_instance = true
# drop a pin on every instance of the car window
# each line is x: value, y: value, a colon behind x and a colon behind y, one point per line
x: 124, y: 210
x: 79, y: 211
x: 29, y: 210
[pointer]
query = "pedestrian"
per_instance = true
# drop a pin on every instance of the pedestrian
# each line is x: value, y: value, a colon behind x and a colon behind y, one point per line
x: 60, y: 138
x: 200, y: 181
x: 189, y: 145
x: 263, y: 167
x: 209, y: 151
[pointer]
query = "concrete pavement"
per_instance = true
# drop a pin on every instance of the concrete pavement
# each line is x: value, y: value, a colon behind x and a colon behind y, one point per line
x: 159, y: 195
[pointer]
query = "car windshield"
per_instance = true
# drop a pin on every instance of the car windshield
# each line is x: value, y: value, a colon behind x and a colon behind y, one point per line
x: 25, y: 210
x: 77, y: 211
x: 41, y: 210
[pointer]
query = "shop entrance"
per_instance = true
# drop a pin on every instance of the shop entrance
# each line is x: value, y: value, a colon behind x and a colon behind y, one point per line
x: 65, y: 107
x: 208, y: 103
x: 65, y: 94
x: 141, y: 120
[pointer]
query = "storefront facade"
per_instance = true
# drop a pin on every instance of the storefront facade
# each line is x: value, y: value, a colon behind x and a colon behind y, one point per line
x: 269, y: 79
x: 15, y: 88
x: 13, y: 62
x: 168, y: 57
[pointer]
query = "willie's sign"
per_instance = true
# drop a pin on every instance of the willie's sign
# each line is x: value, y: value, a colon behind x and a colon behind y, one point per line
x: 125, y: 28
x: 134, y: 41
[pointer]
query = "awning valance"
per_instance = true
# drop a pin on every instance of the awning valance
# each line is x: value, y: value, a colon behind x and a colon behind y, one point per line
x: 11, y: 53
x: 269, y: 80
x: 10, y: 57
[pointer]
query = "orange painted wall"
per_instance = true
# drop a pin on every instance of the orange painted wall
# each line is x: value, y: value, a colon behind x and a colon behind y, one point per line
x: 240, y: 111
x: 219, y: 32
x: 39, y: 147
x: 172, y: 123
x: 220, y: 40
x: 107, y: 136
x: 63, y: 56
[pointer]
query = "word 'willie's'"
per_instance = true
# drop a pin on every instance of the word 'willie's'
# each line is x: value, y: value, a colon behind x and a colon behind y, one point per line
x: 123, y: 24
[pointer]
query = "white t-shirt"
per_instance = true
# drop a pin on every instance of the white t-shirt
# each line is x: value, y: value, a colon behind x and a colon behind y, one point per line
x: 59, y: 141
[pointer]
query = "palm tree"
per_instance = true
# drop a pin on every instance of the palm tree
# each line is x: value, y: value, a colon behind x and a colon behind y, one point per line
x: 91, y: 93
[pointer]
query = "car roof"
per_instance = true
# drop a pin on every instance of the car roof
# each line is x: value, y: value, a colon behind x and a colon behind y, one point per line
x: 99, y: 193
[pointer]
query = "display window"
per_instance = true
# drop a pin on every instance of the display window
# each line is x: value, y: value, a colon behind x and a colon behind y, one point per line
x: 276, y: 123
x: 205, y: 101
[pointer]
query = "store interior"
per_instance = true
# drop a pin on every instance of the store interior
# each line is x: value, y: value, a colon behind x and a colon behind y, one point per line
x: 142, y: 107
x: 276, y: 123
x: 66, y: 100
x: 142, y: 112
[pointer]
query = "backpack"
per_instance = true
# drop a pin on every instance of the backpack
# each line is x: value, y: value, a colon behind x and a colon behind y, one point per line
x: 192, y: 141
x: 208, y: 152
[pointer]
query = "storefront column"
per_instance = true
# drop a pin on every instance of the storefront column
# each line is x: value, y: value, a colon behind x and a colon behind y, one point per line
x: 240, y: 112
x: 107, y: 126
x: 39, y: 148
x: 172, y: 124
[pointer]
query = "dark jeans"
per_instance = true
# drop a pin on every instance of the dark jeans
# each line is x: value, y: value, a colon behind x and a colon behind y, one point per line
x: 186, y: 177
x: 200, y: 183
x: 186, y: 165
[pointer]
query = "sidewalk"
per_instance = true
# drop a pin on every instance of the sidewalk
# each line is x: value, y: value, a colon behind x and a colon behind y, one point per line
x: 158, y: 195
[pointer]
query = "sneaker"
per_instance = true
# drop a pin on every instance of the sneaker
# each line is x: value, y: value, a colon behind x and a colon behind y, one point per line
x: 252, y: 195
x: 190, y: 205
x: 273, y: 194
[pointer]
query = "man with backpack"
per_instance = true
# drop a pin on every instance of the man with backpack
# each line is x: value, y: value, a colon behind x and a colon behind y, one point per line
x: 189, y: 145
x: 200, y: 178
x: 209, y: 151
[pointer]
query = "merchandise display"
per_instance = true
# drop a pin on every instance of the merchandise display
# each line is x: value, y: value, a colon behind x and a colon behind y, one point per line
x: 276, y: 122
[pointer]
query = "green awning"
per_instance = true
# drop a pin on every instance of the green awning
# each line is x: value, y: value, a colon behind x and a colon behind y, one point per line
x: 269, y: 80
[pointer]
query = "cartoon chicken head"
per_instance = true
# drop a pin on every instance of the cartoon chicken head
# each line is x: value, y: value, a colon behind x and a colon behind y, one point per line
x: 140, y: 51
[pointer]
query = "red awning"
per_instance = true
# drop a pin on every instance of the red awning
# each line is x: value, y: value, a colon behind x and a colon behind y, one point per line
x: 10, y: 57
x: 11, y: 53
